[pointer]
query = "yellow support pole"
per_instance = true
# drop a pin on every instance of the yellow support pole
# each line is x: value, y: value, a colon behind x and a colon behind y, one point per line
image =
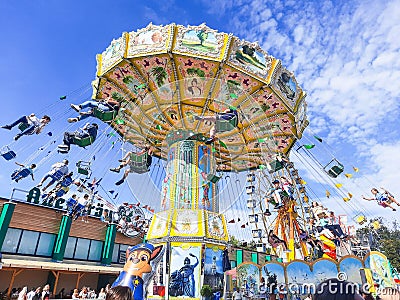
x: 291, y: 236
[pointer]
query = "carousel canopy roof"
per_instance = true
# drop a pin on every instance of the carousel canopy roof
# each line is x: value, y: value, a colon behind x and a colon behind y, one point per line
x: 167, y: 75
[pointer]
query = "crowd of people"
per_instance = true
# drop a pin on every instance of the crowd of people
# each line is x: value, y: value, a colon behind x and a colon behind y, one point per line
x: 323, y: 233
x: 44, y: 293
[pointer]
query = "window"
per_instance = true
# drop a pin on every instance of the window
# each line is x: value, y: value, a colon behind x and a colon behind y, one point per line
x: 123, y: 247
x: 233, y: 264
x: 28, y: 242
x: 81, y: 250
x: 115, y: 253
x: 46, y: 244
x: 70, y: 248
x: 95, y: 250
x: 11, y: 240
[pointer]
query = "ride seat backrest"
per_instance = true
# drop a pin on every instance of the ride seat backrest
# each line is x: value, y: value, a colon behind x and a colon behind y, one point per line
x: 213, y: 178
x: 23, y: 126
x: 24, y: 172
x: 67, y: 181
x: 226, y: 125
x: 61, y: 193
x: 274, y: 166
x: 334, y: 168
x: 105, y: 116
x: 71, y: 202
x: 83, y: 142
x: 138, y: 163
x: 9, y: 155
x: 57, y: 175
x: 335, y: 171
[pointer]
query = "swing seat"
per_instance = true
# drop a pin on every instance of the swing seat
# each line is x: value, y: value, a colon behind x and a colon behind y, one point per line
x: 334, y: 168
x: 66, y: 182
x: 83, y: 142
x: 83, y: 167
x: 253, y: 218
x: 71, y: 202
x: 105, y: 116
x: 256, y: 233
x: 250, y: 190
x: 138, y: 163
x: 361, y: 219
x: 19, y: 174
x: 61, y: 192
x: 251, y: 177
x: 9, y: 155
x: 57, y: 175
x: 251, y: 203
x: 274, y: 166
x: 213, y: 178
x: 23, y: 126
x: 226, y: 125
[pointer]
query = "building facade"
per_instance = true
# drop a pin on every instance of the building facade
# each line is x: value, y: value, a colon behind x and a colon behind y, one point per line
x: 40, y: 245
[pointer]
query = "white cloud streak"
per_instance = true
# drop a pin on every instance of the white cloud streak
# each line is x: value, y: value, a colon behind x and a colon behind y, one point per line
x: 345, y: 55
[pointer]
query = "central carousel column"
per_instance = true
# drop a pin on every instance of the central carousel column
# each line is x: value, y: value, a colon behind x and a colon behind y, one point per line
x: 189, y: 225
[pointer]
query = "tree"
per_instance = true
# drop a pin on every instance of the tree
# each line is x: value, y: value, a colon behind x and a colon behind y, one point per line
x: 385, y: 240
x: 128, y: 79
x: 206, y: 291
x: 202, y: 35
x: 159, y: 74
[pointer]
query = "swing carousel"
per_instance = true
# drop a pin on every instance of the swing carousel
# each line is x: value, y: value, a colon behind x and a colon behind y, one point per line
x: 173, y: 82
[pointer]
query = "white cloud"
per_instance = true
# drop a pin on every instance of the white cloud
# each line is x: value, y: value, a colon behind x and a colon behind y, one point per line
x: 346, y: 57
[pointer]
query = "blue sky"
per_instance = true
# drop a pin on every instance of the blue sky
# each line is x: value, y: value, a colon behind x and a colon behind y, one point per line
x: 343, y: 53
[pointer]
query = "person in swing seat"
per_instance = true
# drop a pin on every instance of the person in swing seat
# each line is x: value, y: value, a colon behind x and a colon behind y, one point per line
x: 227, y: 115
x: 105, y: 105
x: 126, y: 161
x: 31, y: 123
x: 383, y: 199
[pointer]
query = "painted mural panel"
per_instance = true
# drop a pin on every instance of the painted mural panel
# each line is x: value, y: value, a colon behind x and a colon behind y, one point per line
x: 216, y: 227
x: 251, y: 58
x: 159, y: 225
x: 379, y: 265
x: 300, y: 277
x: 185, y: 275
x: 351, y: 266
x: 113, y: 54
x: 324, y: 269
x: 274, y: 275
x: 156, y: 288
x: 213, y: 269
x: 200, y: 41
x: 149, y: 39
x: 248, y: 276
x: 286, y: 86
x: 187, y: 223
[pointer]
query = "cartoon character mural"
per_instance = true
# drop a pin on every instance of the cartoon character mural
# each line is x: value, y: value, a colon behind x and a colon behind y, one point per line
x: 138, y: 260
x: 183, y: 278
